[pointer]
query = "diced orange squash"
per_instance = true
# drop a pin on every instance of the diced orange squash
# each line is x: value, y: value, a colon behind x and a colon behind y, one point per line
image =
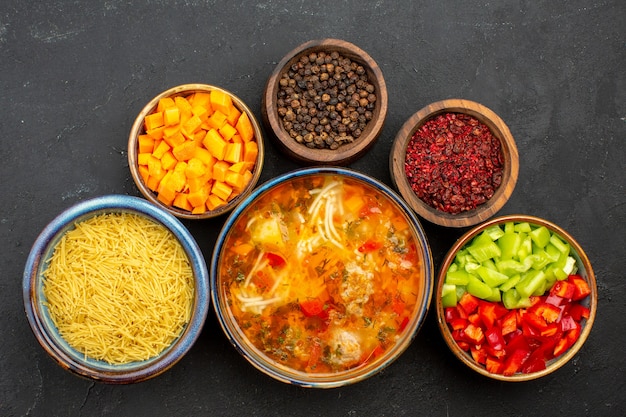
x: 181, y: 166
x: 221, y: 101
x: 160, y: 150
x: 227, y: 131
x: 236, y: 138
x: 165, y: 103
x: 215, y: 144
x: 183, y: 105
x: 233, y: 115
x: 195, y: 168
x: 205, y: 156
x: 214, y: 202
x: 146, y: 143
x: 153, y: 183
x: 168, y: 161
x: 153, y: 121
x: 198, y: 198
x: 169, y: 131
x: 156, y: 133
x: 171, y: 116
x: 217, y: 119
x: 199, y: 210
x: 201, y: 111
x: 238, y: 167
x: 234, y: 179
x: 219, y: 170
x: 244, y: 127
x: 201, y: 98
x: 143, y: 173
x: 184, y: 151
x: 166, y: 197
x: 195, y: 184
x: 250, y: 151
x: 198, y: 137
x: 181, y: 202
x: 221, y: 189
x: 178, y: 181
x: 143, y: 158
x: 247, y: 177
x: 233, y: 152
x: 192, y: 125
x: 175, y: 139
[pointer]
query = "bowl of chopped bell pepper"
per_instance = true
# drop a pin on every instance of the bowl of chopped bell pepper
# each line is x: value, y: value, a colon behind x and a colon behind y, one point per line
x: 195, y: 150
x: 516, y: 298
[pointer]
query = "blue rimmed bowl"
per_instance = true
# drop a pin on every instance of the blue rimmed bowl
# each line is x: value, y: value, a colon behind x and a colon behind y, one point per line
x: 42, y: 324
x: 293, y: 353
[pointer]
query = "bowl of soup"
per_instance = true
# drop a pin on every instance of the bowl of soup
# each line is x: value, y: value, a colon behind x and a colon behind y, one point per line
x: 321, y: 277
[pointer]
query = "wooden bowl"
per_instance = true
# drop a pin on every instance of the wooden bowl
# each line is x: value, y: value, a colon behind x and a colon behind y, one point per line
x: 347, y: 152
x: 138, y: 129
x: 510, y: 164
x: 584, y: 269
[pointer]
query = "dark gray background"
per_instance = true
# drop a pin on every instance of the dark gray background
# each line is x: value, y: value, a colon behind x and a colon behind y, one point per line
x: 74, y: 75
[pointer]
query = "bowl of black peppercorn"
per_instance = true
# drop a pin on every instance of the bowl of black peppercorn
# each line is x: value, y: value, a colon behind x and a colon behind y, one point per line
x: 325, y: 103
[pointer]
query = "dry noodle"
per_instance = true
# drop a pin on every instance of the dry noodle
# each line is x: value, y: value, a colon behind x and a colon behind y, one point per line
x: 119, y: 288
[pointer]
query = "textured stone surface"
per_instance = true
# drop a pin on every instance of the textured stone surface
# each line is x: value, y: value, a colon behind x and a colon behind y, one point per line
x: 75, y: 74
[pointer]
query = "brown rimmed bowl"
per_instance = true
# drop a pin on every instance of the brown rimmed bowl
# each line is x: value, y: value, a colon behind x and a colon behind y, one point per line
x: 347, y: 152
x: 498, y: 128
x: 584, y: 269
x: 138, y: 128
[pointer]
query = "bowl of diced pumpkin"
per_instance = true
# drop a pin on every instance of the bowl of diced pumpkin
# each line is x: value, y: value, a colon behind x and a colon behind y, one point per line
x: 195, y: 150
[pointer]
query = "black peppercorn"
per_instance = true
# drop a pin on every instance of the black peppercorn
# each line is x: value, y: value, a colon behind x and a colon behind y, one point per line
x: 325, y: 100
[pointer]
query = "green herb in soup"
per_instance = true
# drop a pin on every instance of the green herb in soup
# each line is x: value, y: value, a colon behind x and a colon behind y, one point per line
x: 322, y: 274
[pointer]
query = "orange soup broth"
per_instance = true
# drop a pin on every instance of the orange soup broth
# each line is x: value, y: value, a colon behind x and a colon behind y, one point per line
x: 322, y: 274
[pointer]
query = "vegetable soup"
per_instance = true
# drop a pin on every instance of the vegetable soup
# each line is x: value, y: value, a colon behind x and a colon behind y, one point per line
x: 322, y: 274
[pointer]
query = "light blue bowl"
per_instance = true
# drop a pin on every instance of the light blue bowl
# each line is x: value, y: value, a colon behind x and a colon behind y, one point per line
x: 288, y: 375
x: 46, y: 332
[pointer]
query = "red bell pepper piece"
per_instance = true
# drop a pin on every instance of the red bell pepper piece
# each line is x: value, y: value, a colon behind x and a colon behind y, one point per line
x: 533, y: 365
x: 567, y: 323
x: 515, y: 361
x: 508, y: 324
x: 275, y: 261
x: 458, y: 324
x: 555, y: 300
x: 550, y: 330
x: 494, y: 338
x: 451, y: 313
x: 569, y: 338
x: 582, y: 288
x: 311, y: 308
x: 535, y: 321
x: 490, y: 312
x: 469, y: 303
x: 564, y: 289
x: 494, y: 365
x: 578, y: 311
x: 370, y: 246
x: 403, y: 324
x: 474, y: 334
x: 475, y: 319
x: 548, y: 312
x: 517, y: 342
x: 478, y: 354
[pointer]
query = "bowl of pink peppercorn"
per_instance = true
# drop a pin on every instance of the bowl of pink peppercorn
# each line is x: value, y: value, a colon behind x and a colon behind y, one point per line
x: 455, y: 162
